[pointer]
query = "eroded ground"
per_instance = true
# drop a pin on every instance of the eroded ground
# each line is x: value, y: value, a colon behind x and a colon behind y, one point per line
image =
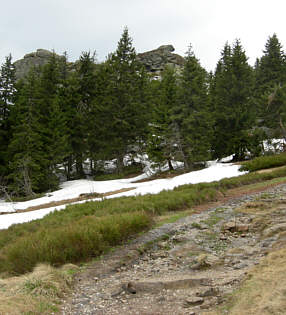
x: 194, y: 265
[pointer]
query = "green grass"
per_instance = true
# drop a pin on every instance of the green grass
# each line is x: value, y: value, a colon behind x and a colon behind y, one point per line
x: 264, y: 162
x: 85, y: 231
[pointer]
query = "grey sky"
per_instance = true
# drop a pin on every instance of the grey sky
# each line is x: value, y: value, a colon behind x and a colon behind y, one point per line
x: 75, y: 26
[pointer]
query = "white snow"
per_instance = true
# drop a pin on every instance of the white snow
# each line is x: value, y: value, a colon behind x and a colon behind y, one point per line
x: 73, y: 189
x: 274, y: 145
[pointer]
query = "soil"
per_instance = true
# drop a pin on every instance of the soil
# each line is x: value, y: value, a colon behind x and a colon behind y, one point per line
x: 189, y: 266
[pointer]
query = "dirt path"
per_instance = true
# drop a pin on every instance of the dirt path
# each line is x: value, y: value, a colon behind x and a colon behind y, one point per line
x: 186, y: 267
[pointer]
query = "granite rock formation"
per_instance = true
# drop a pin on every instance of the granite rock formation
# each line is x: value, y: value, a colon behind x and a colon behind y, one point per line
x: 34, y: 59
x: 156, y: 60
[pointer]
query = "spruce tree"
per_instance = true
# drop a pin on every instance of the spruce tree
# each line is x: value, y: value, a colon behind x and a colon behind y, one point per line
x: 84, y: 116
x: 162, y: 146
x: 53, y: 123
x: 231, y: 94
x: 192, y: 119
x: 27, y: 161
x: 123, y: 107
x: 7, y: 98
x: 270, y: 85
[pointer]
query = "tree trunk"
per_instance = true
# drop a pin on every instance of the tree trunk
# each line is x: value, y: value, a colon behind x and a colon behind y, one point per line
x: 79, y: 166
x: 171, y: 168
x: 120, y: 164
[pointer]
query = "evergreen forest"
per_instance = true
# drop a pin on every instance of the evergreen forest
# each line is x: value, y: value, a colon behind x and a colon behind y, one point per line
x: 58, y: 120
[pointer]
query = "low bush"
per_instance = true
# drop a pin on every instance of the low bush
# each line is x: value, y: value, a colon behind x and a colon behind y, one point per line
x: 88, y: 237
x: 264, y: 162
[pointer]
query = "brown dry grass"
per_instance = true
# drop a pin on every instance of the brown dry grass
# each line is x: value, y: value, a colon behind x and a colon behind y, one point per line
x: 268, y: 170
x: 37, y: 292
x: 264, y: 292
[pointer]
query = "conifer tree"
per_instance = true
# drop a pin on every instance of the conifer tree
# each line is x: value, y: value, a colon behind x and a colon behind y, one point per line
x: 162, y: 146
x: 84, y: 116
x: 124, y: 114
x: 53, y: 123
x: 232, y: 91
x: 27, y: 161
x: 191, y: 117
x: 7, y: 98
x: 270, y: 85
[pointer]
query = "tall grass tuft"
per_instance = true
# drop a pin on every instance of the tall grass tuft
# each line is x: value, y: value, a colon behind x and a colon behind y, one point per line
x: 88, y: 237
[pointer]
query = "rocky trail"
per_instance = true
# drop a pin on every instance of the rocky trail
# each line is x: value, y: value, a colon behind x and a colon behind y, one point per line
x: 185, y: 267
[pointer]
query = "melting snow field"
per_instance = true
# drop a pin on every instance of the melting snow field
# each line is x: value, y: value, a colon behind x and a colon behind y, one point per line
x: 73, y: 189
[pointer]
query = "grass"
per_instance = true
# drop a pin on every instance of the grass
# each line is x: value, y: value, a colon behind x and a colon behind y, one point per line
x: 263, y: 292
x: 264, y: 162
x: 212, y: 220
x: 38, y: 292
x: 84, y: 231
x: 171, y: 218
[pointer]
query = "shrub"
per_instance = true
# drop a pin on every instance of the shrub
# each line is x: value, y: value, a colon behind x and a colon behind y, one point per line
x: 86, y: 238
x: 263, y: 162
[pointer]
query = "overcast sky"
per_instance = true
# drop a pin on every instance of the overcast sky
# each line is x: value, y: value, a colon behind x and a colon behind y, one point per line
x: 81, y: 25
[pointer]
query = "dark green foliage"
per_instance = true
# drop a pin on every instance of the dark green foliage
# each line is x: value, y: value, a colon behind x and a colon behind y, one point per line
x: 38, y: 144
x: 232, y: 88
x: 84, y: 121
x: 162, y: 141
x: 7, y: 99
x: 270, y: 84
x: 122, y: 104
x: 192, y: 114
x: 27, y: 162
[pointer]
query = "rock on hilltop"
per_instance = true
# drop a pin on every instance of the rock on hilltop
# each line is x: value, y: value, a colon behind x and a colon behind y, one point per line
x: 34, y: 59
x: 156, y: 60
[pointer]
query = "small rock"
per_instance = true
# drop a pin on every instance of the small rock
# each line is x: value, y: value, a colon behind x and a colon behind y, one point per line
x: 240, y: 266
x: 242, y: 227
x: 192, y: 301
x: 161, y: 299
x: 130, y: 288
x: 208, y: 292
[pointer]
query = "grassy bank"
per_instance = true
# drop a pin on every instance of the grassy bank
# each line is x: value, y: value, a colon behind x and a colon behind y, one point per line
x: 264, y: 162
x: 84, y: 231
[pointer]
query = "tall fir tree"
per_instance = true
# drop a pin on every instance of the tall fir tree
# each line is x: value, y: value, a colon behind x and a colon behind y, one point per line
x: 162, y: 146
x: 271, y: 85
x: 231, y: 94
x: 7, y: 98
x: 84, y: 116
x: 124, y: 115
x: 27, y: 161
x: 192, y: 118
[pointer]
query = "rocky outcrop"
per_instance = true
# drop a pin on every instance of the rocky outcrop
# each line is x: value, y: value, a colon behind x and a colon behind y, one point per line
x: 156, y: 60
x: 34, y: 59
